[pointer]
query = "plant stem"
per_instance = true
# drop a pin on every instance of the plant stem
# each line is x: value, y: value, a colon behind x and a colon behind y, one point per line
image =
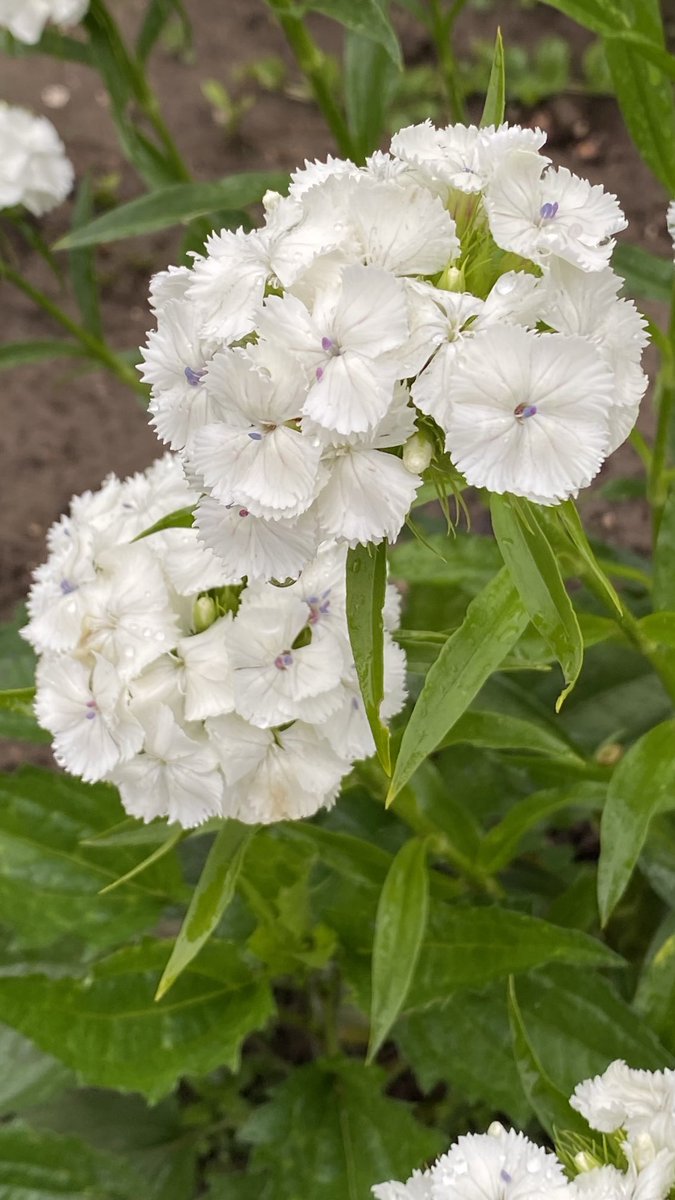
x: 312, y: 62
x: 331, y: 1004
x: 94, y: 347
x: 441, y: 25
x: 658, y: 477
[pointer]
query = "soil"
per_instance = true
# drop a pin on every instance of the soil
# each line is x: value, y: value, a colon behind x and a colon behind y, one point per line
x: 61, y: 432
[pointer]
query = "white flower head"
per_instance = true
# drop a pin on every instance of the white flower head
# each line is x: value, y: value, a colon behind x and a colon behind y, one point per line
x: 528, y: 413
x: 507, y: 1166
x: 418, y: 1187
x: 34, y: 169
x: 625, y: 1098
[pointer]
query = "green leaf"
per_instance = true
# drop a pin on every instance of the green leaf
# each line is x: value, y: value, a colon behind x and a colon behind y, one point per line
x: 465, y: 561
x: 17, y: 672
x: 212, y: 895
x: 173, y: 205
x: 500, y: 845
x: 17, y: 354
x: 536, y: 574
x: 465, y: 662
x: 451, y: 1043
x: 181, y: 518
x: 50, y: 882
x: 495, y: 97
x: 176, y: 835
x: 42, y: 1166
x: 53, y: 44
x: 18, y: 700
x: 551, y: 1106
x: 370, y: 77
x: 366, y: 17
x: 152, y: 1142
x: 647, y: 276
x: 83, y: 264
x: 500, y: 731
x: 660, y: 627
x: 642, y: 785
x: 646, y: 101
x: 29, y: 1077
x: 157, y: 14
x: 656, y: 988
x: 366, y: 586
x: 664, y: 559
x: 468, y: 947
x: 399, y: 930
x: 330, y: 1133
x: 108, y: 1027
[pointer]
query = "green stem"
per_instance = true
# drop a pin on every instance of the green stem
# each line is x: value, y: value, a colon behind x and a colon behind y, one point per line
x: 313, y: 63
x: 94, y: 347
x: 149, y: 105
x: 441, y: 25
x: 641, y: 448
x: 331, y: 1005
x: 658, y: 480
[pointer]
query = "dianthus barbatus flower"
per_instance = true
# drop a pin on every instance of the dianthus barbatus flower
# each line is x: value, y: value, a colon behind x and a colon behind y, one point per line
x: 456, y: 289
x: 197, y: 694
x: 34, y: 169
x: 26, y: 19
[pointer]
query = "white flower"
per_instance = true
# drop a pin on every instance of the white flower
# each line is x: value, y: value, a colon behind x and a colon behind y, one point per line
x: 251, y: 546
x: 344, y: 346
x: 253, y: 453
x: 405, y: 230
x: 504, y: 1166
x: 625, y: 1098
x: 276, y: 679
x: 26, y: 19
x: 670, y: 221
x: 417, y: 1188
x: 176, y: 776
x: 175, y: 361
x: 441, y: 323
x: 86, y: 709
x: 460, y: 156
x: 34, y: 170
x: 367, y: 497
x: 275, y: 775
x: 529, y: 413
x: 554, y: 214
x: 207, y: 671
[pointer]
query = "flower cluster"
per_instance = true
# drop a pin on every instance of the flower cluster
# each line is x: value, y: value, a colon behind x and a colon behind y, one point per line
x: 197, y: 699
x: 26, y: 19
x: 636, y: 1107
x: 34, y: 170
x: 449, y: 302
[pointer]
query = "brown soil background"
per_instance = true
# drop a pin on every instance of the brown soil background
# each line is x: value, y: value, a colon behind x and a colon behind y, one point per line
x: 61, y: 433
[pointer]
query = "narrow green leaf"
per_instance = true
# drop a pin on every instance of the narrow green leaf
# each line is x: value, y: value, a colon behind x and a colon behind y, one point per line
x: 552, y: 1108
x: 660, y: 627
x: 172, y: 205
x: 182, y: 518
x: 366, y: 586
x: 500, y: 731
x: 157, y: 14
x: 399, y: 930
x: 501, y: 843
x: 176, y: 835
x: 37, y: 1165
x: 656, y: 989
x: 642, y: 785
x: 467, y: 659
x: 19, y: 700
x: 52, y: 43
x: 647, y: 276
x: 108, y: 1027
x: 600, y: 16
x: 664, y: 559
x: 646, y: 101
x: 536, y: 574
x: 83, y: 264
x: 566, y: 517
x: 495, y: 97
x: 211, y: 897
x: 17, y: 354
x: 369, y: 80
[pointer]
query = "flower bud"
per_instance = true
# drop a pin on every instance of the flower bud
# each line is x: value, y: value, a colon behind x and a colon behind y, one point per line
x: 495, y: 1129
x: 417, y: 454
x: 452, y: 280
x: 644, y: 1150
x: 584, y: 1161
x: 204, y: 612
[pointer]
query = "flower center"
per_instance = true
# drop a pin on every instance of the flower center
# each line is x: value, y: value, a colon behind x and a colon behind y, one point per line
x: 521, y: 411
x: 319, y: 606
x: 91, y: 710
x: 193, y: 377
x: 331, y: 348
x: 67, y: 587
x: 284, y: 660
x: 548, y: 210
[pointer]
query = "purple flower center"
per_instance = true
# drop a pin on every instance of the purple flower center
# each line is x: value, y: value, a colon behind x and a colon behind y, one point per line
x: 525, y: 410
x: 67, y: 587
x: 504, y: 1175
x: 284, y: 660
x: 91, y: 710
x: 243, y: 512
x: 193, y: 377
x: 548, y: 211
x: 255, y: 436
x: 327, y: 344
x: 319, y: 606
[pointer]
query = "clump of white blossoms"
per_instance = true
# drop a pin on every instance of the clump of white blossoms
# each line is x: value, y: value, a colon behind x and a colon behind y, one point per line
x: 26, y: 19
x: 34, y: 169
x: 636, y: 1107
x: 196, y: 698
x: 451, y: 302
